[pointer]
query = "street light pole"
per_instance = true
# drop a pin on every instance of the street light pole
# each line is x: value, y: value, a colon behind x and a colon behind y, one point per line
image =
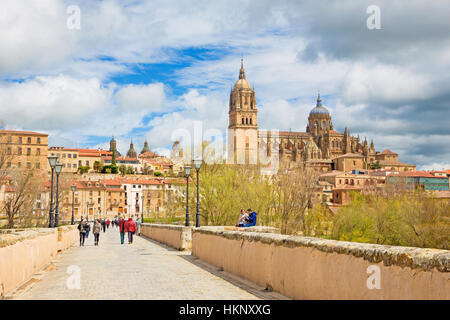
x: 197, y: 165
x: 187, y: 171
x: 73, y: 201
x: 58, y: 169
x: 52, y: 161
x: 142, y: 208
x: 87, y: 209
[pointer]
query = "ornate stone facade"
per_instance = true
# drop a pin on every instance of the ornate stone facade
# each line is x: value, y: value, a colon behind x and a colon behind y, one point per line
x: 320, y: 146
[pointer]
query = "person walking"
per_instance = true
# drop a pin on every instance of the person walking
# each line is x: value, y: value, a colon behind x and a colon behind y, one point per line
x: 107, y: 224
x: 96, y: 231
x: 122, y: 230
x: 103, y: 224
x: 82, y: 229
x: 138, y: 226
x: 130, y: 227
x: 88, y: 228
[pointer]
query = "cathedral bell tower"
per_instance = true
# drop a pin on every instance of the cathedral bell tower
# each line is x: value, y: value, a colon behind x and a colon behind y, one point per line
x: 243, y: 122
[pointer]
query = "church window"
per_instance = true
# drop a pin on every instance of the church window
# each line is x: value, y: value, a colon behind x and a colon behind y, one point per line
x: 250, y: 120
x: 324, y: 124
x: 246, y: 120
x: 242, y: 120
x: 346, y: 181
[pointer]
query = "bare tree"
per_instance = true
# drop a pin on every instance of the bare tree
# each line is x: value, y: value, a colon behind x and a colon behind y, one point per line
x: 294, y: 191
x: 21, y: 193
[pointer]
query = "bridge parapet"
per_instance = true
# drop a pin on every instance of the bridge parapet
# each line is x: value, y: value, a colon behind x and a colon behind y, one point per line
x: 24, y: 252
x: 313, y: 268
x: 175, y: 236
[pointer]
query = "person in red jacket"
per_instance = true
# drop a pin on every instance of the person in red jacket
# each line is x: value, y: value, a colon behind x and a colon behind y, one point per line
x: 130, y: 227
x: 122, y: 230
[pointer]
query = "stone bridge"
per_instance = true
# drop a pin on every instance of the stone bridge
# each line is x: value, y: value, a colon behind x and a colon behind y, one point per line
x: 223, y: 263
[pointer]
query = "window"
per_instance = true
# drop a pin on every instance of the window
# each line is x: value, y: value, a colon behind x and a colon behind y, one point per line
x: 250, y: 120
x: 9, y: 150
x: 87, y: 162
x: 242, y: 120
x: 29, y: 139
x: 38, y: 140
x: 64, y: 155
x: 74, y: 165
x: 19, y: 164
x: 20, y: 140
x: 69, y: 155
x: 19, y: 151
x: 324, y: 124
x: 28, y: 164
x: 28, y: 151
x: 38, y: 151
x: 9, y: 139
x: 74, y: 155
x: 38, y: 165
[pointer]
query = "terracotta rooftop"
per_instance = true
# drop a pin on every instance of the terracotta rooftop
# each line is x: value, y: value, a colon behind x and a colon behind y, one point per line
x: 387, y: 151
x: 423, y: 174
x: 23, y: 132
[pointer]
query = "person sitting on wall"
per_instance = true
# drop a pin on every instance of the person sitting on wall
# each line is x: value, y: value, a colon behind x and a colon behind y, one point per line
x: 250, y: 221
x: 242, y: 218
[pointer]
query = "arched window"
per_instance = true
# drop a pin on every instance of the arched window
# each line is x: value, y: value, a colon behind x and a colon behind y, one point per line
x: 242, y: 120
x: 246, y: 120
x: 250, y: 120
x: 324, y: 124
x: 316, y: 123
x: 346, y: 181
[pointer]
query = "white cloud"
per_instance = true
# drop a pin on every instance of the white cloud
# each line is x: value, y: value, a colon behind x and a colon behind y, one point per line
x: 149, y: 97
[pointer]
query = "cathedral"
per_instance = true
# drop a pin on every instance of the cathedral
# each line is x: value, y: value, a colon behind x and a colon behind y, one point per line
x: 320, y: 146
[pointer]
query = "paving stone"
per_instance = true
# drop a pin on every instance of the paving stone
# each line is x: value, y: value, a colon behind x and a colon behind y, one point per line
x: 142, y: 270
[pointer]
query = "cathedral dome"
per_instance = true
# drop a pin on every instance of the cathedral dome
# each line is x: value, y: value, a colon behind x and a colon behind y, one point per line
x: 242, y: 84
x: 319, y: 109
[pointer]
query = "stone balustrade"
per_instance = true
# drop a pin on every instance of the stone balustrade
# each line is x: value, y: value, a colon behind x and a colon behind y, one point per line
x: 312, y: 268
x: 25, y: 252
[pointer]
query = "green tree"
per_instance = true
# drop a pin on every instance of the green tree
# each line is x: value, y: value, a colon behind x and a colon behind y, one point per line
x: 157, y: 174
x: 130, y: 170
x: 97, y: 166
x: 84, y: 169
x: 122, y: 169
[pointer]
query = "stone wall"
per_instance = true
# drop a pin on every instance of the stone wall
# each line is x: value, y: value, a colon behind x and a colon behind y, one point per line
x: 25, y: 252
x: 311, y: 268
x: 178, y: 237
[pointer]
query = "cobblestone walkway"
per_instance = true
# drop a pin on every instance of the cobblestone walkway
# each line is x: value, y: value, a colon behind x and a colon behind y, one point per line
x: 142, y: 270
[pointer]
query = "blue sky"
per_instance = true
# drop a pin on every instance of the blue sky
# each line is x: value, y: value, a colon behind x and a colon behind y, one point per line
x: 139, y: 69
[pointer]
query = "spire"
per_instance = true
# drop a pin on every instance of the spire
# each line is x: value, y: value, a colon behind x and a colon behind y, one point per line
x: 319, y: 101
x: 242, y: 71
x: 146, y: 148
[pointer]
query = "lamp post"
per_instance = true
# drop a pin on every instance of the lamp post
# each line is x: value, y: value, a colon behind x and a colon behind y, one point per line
x: 73, y: 201
x: 58, y: 169
x: 87, y: 209
x: 197, y: 165
x: 187, y: 171
x: 142, y: 208
x: 52, y: 161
